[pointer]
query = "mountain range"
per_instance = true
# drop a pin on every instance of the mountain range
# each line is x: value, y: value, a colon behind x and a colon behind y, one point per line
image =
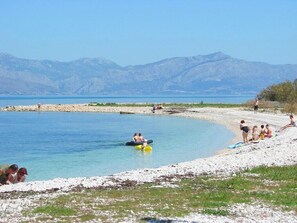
x: 213, y: 74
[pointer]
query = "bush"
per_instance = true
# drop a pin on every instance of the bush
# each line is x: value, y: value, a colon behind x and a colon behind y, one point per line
x: 283, y: 92
x: 263, y: 104
x: 290, y: 108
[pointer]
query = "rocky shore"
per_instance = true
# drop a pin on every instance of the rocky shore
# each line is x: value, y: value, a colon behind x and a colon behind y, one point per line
x: 279, y: 150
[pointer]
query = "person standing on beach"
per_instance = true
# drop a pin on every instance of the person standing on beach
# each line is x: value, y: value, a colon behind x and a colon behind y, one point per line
x: 245, y: 131
x: 6, y: 172
x: 38, y: 106
x: 256, y: 105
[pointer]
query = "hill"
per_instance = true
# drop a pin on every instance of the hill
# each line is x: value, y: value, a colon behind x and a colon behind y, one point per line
x: 215, y: 73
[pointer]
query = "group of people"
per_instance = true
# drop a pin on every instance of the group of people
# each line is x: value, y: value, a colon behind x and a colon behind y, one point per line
x: 264, y: 132
x: 11, y: 174
x: 156, y: 107
x: 137, y: 137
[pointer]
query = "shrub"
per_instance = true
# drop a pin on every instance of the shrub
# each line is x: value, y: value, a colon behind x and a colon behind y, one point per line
x: 290, y: 108
x: 283, y: 92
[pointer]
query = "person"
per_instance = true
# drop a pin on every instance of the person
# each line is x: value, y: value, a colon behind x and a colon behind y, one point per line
x: 38, y: 106
x: 142, y: 139
x: 268, y: 131
x: 255, y: 133
x: 20, y: 176
x: 135, y: 137
x: 245, y: 131
x: 6, y: 172
x: 154, y: 109
x: 292, y: 123
x: 262, y: 132
x: 256, y: 105
x: 159, y: 106
x: 144, y: 145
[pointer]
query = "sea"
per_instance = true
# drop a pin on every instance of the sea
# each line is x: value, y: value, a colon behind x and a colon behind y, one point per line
x: 64, y: 144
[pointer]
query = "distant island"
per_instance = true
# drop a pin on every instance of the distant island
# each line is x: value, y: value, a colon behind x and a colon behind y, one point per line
x: 213, y: 74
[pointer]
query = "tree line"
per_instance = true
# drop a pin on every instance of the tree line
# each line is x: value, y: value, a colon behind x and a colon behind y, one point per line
x: 285, y: 93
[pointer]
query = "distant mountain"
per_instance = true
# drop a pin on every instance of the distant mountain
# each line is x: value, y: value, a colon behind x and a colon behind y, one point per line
x: 211, y: 74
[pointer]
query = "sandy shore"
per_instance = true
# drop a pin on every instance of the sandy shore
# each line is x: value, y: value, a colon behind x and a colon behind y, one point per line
x: 277, y: 151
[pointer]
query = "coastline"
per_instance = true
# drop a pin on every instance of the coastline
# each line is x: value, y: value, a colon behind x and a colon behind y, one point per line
x: 229, y: 117
x: 279, y: 150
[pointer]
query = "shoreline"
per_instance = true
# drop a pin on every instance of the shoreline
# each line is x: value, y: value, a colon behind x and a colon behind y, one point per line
x: 225, y: 161
x: 279, y: 150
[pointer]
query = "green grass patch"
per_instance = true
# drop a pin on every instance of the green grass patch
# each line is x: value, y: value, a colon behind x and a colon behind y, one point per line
x: 276, y: 186
x: 277, y: 173
x: 54, y: 211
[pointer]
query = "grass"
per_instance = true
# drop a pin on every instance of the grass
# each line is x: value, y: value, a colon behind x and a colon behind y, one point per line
x: 55, y: 211
x: 275, y: 186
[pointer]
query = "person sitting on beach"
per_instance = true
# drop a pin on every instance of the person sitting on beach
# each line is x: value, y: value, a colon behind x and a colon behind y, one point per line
x: 255, y: 133
x: 245, y: 131
x: 20, y: 176
x: 156, y: 107
x: 262, y: 132
x: 6, y: 172
x: 268, y: 131
x: 159, y: 106
x: 292, y: 123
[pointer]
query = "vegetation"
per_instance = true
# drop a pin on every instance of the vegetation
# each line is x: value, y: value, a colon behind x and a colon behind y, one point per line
x: 285, y: 92
x: 275, y: 186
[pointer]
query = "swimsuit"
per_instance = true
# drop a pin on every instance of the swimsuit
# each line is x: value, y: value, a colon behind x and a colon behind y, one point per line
x: 245, y: 129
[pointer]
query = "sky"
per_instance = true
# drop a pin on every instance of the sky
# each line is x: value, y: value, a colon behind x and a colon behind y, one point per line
x: 134, y: 32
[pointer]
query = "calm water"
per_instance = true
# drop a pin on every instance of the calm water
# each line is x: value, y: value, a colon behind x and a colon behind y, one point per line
x: 32, y: 100
x: 54, y: 145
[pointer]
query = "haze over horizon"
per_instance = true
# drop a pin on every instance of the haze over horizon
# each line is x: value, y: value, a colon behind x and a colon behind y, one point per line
x: 141, y: 32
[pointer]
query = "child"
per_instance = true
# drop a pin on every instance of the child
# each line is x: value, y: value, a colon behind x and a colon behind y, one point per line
x: 255, y: 133
x: 262, y: 132
x: 268, y: 132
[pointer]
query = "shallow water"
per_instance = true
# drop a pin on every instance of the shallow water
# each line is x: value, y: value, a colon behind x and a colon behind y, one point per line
x: 55, y: 145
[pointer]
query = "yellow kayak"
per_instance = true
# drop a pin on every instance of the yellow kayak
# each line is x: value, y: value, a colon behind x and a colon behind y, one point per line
x: 145, y: 149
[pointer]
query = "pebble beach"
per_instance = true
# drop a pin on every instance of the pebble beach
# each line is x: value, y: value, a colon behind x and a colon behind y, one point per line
x: 280, y: 150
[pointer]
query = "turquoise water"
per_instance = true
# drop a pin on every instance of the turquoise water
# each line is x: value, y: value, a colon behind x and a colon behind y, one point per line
x: 55, y: 145
x: 33, y: 100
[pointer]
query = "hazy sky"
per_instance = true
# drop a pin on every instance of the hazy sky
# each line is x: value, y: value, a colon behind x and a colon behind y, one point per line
x: 131, y: 32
